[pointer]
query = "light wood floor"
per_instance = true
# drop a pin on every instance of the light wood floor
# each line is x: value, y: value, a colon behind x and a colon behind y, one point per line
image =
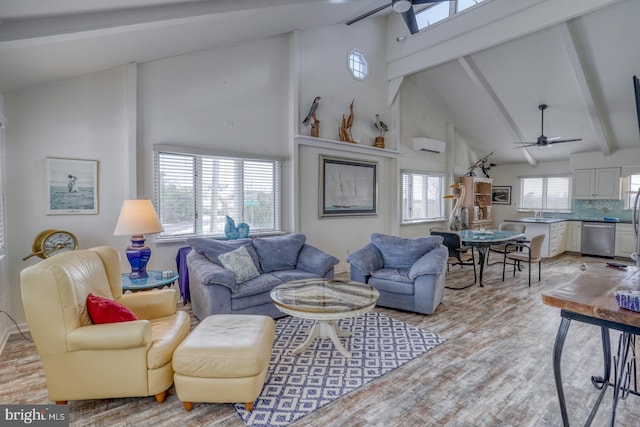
x: 494, y: 370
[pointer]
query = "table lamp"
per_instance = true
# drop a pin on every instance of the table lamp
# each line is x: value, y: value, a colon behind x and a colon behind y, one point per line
x: 137, y: 218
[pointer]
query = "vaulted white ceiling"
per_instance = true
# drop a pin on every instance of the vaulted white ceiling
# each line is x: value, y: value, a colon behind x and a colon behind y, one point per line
x: 487, y: 76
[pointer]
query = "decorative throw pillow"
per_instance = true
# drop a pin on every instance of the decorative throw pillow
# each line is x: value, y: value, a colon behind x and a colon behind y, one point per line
x: 240, y: 263
x: 279, y: 253
x: 401, y: 252
x: 213, y: 248
x: 104, y: 310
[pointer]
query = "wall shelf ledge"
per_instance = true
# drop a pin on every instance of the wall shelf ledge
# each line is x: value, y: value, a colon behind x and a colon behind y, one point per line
x: 345, y: 146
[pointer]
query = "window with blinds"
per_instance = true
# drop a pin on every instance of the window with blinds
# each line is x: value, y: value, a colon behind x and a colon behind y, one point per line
x: 422, y: 197
x: 630, y: 186
x: 194, y: 193
x: 548, y: 193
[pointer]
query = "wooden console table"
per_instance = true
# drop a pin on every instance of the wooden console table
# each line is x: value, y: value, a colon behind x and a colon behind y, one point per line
x: 589, y: 298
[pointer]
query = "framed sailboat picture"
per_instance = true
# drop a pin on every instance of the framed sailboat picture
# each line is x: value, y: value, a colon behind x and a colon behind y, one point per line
x: 347, y: 187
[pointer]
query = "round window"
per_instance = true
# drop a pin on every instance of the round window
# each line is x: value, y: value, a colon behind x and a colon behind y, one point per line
x: 357, y: 64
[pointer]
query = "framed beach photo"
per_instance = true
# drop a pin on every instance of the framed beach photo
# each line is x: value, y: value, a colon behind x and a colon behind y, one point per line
x: 72, y: 186
x: 501, y: 195
x: 347, y: 187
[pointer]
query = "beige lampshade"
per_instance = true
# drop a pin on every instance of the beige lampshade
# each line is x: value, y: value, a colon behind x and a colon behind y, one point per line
x: 137, y: 217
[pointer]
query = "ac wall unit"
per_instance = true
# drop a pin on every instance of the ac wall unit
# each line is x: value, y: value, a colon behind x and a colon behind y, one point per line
x: 428, y: 144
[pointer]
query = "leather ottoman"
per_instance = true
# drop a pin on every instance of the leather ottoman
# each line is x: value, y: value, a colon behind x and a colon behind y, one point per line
x: 224, y: 360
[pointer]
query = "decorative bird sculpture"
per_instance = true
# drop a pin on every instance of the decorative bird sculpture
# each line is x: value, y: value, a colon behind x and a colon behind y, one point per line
x: 484, y: 164
x: 459, y: 217
x: 233, y: 232
x: 312, y: 110
x: 380, y: 125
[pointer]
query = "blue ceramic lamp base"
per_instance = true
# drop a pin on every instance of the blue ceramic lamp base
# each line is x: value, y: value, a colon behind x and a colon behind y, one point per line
x: 138, y: 255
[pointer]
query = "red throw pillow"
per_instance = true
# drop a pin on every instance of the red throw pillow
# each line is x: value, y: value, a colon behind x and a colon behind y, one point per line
x: 104, y: 310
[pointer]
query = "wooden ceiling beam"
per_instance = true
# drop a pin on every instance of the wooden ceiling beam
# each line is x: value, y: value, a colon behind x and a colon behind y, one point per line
x: 478, y: 78
x: 588, y: 87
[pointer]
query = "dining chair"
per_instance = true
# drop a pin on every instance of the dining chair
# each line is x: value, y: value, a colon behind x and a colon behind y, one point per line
x: 524, y: 252
x: 500, y: 249
x: 458, y: 253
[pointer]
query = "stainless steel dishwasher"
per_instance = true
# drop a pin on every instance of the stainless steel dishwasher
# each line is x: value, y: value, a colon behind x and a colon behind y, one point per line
x: 598, y: 239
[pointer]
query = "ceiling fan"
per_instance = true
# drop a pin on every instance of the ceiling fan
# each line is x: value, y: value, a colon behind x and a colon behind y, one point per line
x: 544, y: 141
x: 403, y: 7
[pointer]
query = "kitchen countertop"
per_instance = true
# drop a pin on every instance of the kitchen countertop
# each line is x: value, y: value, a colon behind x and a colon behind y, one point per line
x: 552, y: 220
x: 537, y: 220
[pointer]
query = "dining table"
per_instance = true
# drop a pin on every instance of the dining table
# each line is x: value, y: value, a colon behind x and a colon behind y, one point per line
x: 482, y: 240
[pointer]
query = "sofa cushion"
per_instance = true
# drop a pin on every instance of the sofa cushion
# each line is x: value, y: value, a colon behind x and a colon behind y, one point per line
x: 258, y: 285
x: 213, y: 248
x: 278, y: 252
x: 240, y: 263
x: 391, y: 286
x: 315, y: 261
x: 103, y: 310
x: 400, y: 252
x: 393, y: 274
x: 291, y: 275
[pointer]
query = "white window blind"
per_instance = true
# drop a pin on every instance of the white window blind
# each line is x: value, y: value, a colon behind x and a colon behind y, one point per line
x: 194, y: 193
x: 548, y: 193
x: 630, y: 186
x: 422, y: 197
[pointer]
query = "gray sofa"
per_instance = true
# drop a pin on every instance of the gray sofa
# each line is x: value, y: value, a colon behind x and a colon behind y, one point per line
x: 215, y: 289
x: 409, y: 273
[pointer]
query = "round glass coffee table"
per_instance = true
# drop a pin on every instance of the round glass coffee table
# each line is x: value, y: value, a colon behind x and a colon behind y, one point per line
x: 325, y: 301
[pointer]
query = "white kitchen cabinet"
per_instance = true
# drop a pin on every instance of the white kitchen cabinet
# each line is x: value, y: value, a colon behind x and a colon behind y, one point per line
x: 574, y: 236
x: 625, y: 240
x: 555, y: 236
x: 596, y: 183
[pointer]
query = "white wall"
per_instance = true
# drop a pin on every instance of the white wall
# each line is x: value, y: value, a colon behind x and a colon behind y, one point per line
x: 323, y: 72
x: 229, y: 100
x: 81, y: 118
x: 4, y: 282
x: 236, y: 100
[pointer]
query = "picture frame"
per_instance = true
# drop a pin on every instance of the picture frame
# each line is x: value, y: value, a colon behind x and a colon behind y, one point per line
x: 501, y: 195
x: 348, y: 187
x: 72, y: 186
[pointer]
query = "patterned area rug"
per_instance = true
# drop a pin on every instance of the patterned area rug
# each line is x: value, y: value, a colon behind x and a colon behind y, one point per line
x: 297, y: 385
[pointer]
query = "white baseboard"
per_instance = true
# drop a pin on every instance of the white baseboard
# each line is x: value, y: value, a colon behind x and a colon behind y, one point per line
x: 12, y: 329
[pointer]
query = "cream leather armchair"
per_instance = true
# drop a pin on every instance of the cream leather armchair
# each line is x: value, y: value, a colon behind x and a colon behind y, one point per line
x: 86, y: 361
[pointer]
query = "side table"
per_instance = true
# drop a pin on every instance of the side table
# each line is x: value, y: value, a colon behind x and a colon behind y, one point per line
x: 154, y: 281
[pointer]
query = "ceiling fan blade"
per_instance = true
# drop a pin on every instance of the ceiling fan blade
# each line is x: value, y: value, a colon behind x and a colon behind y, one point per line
x: 366, y: 15
x: 564, y: 140
x: 525, y: 144
x: 410, y: 19
x: 427, y: 1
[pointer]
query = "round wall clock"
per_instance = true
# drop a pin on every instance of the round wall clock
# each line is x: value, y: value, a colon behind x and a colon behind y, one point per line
x: 51, y: 242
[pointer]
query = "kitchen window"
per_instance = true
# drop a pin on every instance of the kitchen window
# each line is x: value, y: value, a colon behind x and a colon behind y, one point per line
x: 630, y: 186
x: 194, y: 193
x: 422, y: 197
x: 546, y: 193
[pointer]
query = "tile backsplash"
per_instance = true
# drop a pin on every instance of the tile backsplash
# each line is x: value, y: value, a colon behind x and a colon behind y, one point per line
x: 596, y: 209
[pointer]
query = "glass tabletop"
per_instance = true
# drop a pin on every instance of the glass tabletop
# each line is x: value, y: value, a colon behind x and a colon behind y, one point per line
x: 491, y: 236
x: 324, y: 296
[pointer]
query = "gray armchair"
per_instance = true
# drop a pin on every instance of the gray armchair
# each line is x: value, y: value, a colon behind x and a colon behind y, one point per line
x: 409, y: 273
